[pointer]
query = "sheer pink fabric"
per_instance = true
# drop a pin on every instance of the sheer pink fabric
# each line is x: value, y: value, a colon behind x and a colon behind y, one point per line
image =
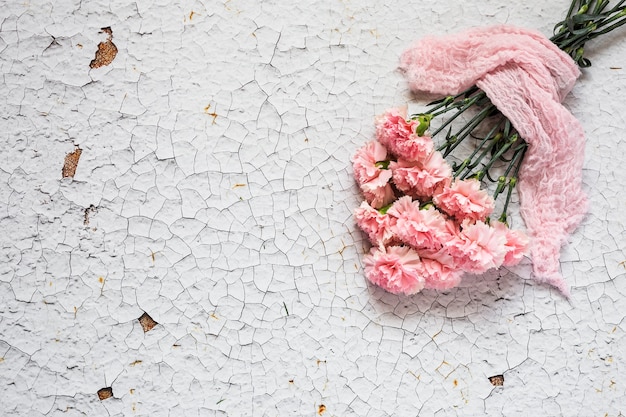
x: 526, y: 76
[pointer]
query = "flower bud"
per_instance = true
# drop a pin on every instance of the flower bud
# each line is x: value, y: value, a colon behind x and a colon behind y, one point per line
x: 424, y: 124
x: 579, y: 54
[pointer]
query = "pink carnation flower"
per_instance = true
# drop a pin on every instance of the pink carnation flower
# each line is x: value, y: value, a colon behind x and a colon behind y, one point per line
x: 380, y: 228
x: 378, y: 197
x: 422, y: 179
x: 440, y: 275
x: 478, y: 247
x: 464, y: 199
x: 398, y: 135
x: 517, y: 244
x: 396, y: 269
x: 421, y: 229
x: 373, y: 180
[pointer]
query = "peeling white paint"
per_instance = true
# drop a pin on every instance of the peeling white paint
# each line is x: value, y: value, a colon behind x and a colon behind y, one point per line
x: 215, y: 154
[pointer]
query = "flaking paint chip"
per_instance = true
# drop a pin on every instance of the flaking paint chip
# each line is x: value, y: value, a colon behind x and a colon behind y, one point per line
x: 70, y: 163
x: 497, y: 380
x: 104, y: 393
x: 88, y: 211
x: 147, y: 323
x: 107, y: 51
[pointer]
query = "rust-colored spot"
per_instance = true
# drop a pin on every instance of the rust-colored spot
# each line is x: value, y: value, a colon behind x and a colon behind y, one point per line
x: 1, y: 360
x: 213, y: 316
x: 291, y: 381
x: 418, y: 377
x: 105, y: 393
x: 321, y: 409
x: 238, y: 185
x: 79, y: 45
x: 132, y: 390
x: 137, y: 362
x: 101, y: 280
x: 320, y: 361
x: 497, y: 380
x: 456, y: 383
x: 107, y: 51
x: 70, y: 164
x: 212, y: 114
x: 147, y: 323
x: 191, y: 15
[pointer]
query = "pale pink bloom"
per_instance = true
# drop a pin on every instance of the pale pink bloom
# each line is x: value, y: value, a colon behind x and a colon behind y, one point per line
x: 422, y: 179
x: 478, y: 247
x: 396, y: 269
x: 398, y: 135
x: 372, y: 179
x: 464, y: 199
x: 364, y: 164
x: 517, y: 244
x: 425, y: 229
x: 378, y: 197
x: 380, y: 228
x: 440, y: 275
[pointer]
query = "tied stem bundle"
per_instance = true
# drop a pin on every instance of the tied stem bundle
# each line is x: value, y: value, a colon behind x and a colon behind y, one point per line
x: 429, y: 221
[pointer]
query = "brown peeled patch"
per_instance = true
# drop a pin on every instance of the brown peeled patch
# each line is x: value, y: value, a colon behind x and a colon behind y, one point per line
x: 71, y: 162
x: 105, y: 393
x: 106, y: 52
x: 147, y: 323
x: 497, y: 380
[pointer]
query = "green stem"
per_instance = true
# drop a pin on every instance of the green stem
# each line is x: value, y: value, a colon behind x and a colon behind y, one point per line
x: 513, y: 180
x: 467, y: 105
x: 507, y: 145
x: 468, y: 128
x: 490, y: 136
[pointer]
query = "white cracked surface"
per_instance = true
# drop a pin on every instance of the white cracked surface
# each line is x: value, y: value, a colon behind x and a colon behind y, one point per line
x: 214, y: 193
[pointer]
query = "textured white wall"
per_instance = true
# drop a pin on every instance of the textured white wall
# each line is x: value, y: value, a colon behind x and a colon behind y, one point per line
x: 214, y: 193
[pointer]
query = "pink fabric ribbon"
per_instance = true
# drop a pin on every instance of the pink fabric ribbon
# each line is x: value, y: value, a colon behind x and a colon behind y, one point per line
x: 526, y: 76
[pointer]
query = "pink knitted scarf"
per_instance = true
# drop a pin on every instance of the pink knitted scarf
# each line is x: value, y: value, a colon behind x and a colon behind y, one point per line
x: 526, y: 77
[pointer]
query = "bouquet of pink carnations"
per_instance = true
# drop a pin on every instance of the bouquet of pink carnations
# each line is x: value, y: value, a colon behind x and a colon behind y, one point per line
x: 429, y: 222
x: 426, y: 227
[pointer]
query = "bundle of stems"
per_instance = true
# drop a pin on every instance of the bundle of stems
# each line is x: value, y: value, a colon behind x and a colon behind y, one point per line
x: 585, y: 20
